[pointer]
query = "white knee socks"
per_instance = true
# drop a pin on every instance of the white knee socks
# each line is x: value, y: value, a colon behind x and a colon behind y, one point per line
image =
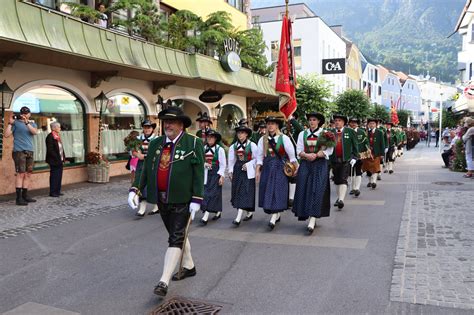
x: 205, y: 217
x: 188, y: 262
x: 240, y: 212
x: 274, y: 218
x: 373, y: 178
x: 312, y: 222
x: 155, y: 208
x: 390, y: 166
x: 171, y: 260
x: 341, y: 192
x: 357, y: 182
x: 292, y: 191
x: 141, y: 207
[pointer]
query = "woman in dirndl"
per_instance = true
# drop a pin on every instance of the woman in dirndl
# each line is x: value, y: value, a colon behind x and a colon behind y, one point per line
x: 242, y: 161
x: 312, y: 197
x: 274, y: 149
x: 215, y: 164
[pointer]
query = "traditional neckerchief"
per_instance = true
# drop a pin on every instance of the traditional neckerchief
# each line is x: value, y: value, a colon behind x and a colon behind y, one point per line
x: 308, y: 133
x: 312, y: 134
x: 214, y: 150
x: 240, y: 145
x: 275, y: 145
x: 246, y: 147
x: 56, y: 136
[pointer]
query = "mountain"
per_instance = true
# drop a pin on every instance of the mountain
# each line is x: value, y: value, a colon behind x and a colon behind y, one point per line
x: 405, y: 35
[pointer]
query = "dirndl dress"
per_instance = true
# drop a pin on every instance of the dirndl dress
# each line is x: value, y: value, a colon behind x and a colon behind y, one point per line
x: 243, y: 189
x: 274, y: 187
x: 212, y: 201
x: 312, y: 195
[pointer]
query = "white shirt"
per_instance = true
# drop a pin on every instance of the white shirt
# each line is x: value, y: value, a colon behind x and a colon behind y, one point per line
x: 300, y: 144
x: 232, y: 157
x: 175, y: 139
x: 288, y: 145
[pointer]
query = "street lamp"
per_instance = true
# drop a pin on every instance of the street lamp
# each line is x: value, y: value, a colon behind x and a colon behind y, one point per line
x: 100, y: 102
x: 6, y: 94
x: 440, y: 116
x: 429, y: 123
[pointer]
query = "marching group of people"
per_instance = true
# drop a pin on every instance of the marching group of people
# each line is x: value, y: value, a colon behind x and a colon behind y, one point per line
x: 180, y: 173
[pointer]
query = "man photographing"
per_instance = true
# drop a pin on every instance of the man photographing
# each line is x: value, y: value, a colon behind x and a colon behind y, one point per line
x: 23, y: 131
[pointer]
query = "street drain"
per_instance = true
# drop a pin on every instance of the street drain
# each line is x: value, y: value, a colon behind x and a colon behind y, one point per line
x: 448, y: 183
x: 178, y: 305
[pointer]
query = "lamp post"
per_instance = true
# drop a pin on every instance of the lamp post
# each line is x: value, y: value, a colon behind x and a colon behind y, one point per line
x: 6, y: 94
x: 100, y: 102
x: 440, y: 119
x: 429, y: 123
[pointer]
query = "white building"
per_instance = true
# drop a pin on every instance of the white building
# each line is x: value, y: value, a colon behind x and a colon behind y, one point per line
x: 465, y: 27
x: 371, y: 82
x: 313, y: 41
x: 432, y: 94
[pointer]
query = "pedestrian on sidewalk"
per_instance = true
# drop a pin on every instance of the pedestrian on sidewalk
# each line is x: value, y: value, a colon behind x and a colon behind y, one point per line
x: 467, y: 138
x: 55, y: 157
x: 23, y: 130
x: 314, y: 147
x: 344, y: 156
x: 447, y: 151
x: 173, y: 174
x: 242, y: 163
x: 274, y: 150
x: 215, y: 164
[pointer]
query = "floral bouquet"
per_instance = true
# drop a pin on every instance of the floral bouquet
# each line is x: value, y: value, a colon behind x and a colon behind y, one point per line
x: 327, y: 139
x: 95, y: 158
x: 131, y: 142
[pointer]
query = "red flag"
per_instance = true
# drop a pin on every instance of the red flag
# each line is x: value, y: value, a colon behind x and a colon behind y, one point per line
x: 395, y: 120
x: 285, y: 84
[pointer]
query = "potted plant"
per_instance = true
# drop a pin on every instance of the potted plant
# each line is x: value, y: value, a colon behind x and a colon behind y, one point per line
x: 97, y: 168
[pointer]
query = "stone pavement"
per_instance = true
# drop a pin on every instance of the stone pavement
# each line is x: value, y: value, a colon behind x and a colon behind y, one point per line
x: 434, y: 262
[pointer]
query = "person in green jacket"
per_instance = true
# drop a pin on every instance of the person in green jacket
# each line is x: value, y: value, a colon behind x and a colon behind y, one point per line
x: 376, y: 143
x: 173, y: 173
x: 362, y: 145
x: 380, y: 126
x: 390, y: 146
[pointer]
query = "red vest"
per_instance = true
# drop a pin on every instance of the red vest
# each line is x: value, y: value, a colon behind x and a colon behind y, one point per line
x: 164, y: 169
x: 339, y: 150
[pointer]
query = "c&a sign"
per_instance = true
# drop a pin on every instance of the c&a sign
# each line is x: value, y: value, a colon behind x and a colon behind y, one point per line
x: 334, y: 66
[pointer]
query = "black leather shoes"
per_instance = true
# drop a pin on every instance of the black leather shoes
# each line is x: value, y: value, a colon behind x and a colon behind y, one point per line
x: 357, y: 193
x: 390, y: 172
x: 369, y: 185
x: 236, y: 223
x: 185, y: 273
x: 340, y: 204
x: 249, y: 217
x: 216, y: 217
x: 138, y: 214
x: 203, y: 222
x: 161, y: 289
x: 310, y: 230
x: 154, y: 212
x: 352, y: 192
x: 336, y: 203
x: 55, y: 196
x: 28, y: 199
x: 271, y: 226
x: 374, y: 185
x: 21, y: 202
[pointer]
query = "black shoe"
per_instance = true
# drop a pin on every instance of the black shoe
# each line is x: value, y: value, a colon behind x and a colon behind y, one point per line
x: 28, y: 199
x: 385, y: 171
x: 203, y: 222
x: 21, y: 202
x: 154, y: 212
x: 390, y: 172
x: 369, y: 185
x: 236, y: 223
x: 379, y: 177
x: 61, y: 194
x: 336, y: 203
x: 357, y: 192
x: 374, y: 185
x: 340, y: 204
x: 310, y: 230
x: 290, y: 203
x: 161, y: 289
x: 140, y: 214
x: 278, y: 220
x: 249, y: 217
x: 55, y: 196
x: 271, y: 226
x: 352, y: 192
x: 185, y: 273
x: 216, y: 217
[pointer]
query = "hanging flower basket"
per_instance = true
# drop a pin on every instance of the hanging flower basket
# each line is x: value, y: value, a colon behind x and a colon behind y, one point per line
x: 97, y: 168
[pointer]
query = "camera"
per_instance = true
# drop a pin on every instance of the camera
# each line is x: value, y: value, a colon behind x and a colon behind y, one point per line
x: 16, y: 116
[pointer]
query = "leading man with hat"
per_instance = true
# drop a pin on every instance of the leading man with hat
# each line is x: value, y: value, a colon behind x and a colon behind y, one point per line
x: 173, y: 174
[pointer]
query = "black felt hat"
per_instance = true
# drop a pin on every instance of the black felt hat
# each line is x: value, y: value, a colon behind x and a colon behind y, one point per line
x: 340, y: 116
x: 203, y: 117
x: 376, y: 120
x: 262, y: 124
x: 175, y: 113
x: 243, y: 121
x: 214, y: 133
x: 147, y: 122
x: 244, y: 129
x: 275, y: 119
x: 355, y: 119
x: 319, y: 116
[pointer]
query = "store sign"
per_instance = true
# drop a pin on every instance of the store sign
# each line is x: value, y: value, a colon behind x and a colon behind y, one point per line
x: 231, y: 61
x: 210, y: 96
x: 469, y: 92
x: 334, y: 66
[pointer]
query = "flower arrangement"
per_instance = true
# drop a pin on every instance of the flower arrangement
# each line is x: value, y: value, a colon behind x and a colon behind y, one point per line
x: 96, y: 158
x: 327, y: 139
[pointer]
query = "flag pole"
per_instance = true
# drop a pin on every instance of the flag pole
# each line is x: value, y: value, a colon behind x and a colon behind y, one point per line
x: 286, y: 9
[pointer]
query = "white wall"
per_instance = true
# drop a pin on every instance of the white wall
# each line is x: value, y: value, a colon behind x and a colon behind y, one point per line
x: 369, y: 76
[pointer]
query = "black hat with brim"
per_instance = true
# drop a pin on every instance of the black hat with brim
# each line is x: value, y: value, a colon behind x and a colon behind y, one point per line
x: 175, y: 113
x: 354, y: 119
x: 244, y: 129
x: 274, y: 119
x: 25, y: 110
x: 202, y: 117
x: 262, y: 124
x: 243, y: 121
x: 376, y: 120
x: 319, y: 116
x: 147, y: 122
x: 335, y: 116
x: 214, y: 133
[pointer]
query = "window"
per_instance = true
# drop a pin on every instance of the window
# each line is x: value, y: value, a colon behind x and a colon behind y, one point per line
x: 376, y: 75
x: 255, y: 19
x: 297, y: 53
x: 274, y: 51
x: 380, y: 90
x: 123, y: 114
x: 51, y: 103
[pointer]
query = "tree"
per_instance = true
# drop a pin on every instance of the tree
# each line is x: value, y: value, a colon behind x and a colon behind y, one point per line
x: 449, y: 120
x: 215, y: 30
x: 184, y: 31
x: 253, y: 51
x: 403, y: 115
x: 312, y: 96
x: 379, y: 111
x: 353, y: 103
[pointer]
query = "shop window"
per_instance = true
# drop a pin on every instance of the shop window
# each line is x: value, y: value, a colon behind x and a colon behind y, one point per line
x: 124, y: 113
x: 51, y: 103
x: 297, y: 53
x: 227, y: 121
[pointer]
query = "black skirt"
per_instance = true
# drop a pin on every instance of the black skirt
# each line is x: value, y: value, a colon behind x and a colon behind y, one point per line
x: 243, y: 189
x: 212, y: 192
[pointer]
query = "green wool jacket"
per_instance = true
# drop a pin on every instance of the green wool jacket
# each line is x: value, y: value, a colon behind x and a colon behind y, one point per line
x: 186, y: 177
x: 392, y: 140
x: 350, y: 149
x: 378, y: 148
x: 362, y: 141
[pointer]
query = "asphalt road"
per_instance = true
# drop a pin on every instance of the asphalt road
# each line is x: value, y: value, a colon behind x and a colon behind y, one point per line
x: 109, y: 263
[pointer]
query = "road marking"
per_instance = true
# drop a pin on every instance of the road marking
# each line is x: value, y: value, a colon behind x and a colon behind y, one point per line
x: 38, y: 309
x: 359, y: 202
x: 281, y: 239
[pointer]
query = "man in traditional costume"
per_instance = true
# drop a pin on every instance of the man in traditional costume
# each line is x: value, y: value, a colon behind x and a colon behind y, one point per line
x: 377, y: 148
x: 344, y: 156
x: 242, y: 163
x: 356, y: 171
x: 145, y: 138
x: 391, y: 143
x: 314, y: 147
x: 215, y: 164
x: 173, y: 174
x: 274, y: 150
x: 380, y: 126
x: 205, y: 123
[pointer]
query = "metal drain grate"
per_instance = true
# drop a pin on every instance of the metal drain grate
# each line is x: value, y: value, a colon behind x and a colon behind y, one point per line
x: 178, y: 305
x: 448, y: 183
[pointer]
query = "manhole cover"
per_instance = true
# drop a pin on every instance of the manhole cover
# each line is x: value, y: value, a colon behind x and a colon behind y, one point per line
x: 448, y: 183
x: 178, y: 305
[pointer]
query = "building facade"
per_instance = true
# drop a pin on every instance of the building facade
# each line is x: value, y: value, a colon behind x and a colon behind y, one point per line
x: 371, y: 83
x: 57, y: 65
x: 432, y: 93
x: 353, y: 66
x: 313, y: 41
x: 390, y: 86
x: 410, y: 96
